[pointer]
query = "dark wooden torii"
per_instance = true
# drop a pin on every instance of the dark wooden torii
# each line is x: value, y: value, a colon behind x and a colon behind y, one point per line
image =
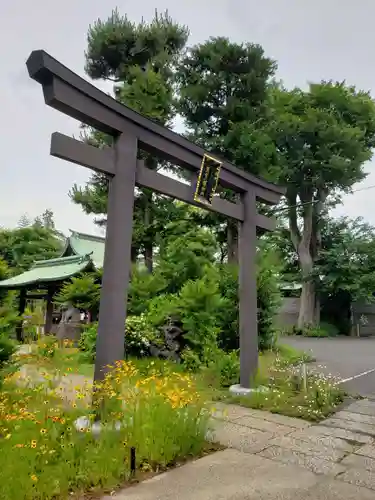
x: 74, y: 96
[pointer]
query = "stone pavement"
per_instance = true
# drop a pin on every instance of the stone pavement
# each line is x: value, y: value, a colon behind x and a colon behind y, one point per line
x: 271, y: 457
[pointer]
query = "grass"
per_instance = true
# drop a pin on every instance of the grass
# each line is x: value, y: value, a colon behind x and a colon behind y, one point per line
x: 289, y: 393
x: 279, y: 370
x: 44, y: 456
x: 161, y: 411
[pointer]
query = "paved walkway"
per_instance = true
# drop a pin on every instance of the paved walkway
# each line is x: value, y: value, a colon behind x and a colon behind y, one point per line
x: 271, y: 457
x: 349, y: 358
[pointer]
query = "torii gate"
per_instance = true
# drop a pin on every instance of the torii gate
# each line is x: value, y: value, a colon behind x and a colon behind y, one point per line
x: 74, y: 96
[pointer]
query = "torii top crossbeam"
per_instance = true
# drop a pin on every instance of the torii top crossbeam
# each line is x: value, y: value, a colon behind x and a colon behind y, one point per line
x: 69, y: 93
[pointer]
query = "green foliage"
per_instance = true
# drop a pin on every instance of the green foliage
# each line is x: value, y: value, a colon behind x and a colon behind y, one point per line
x: 46, y: 455
x: 117, y: 44
x: 3, y: 269
x: 87, y: 342
x: 222, y: 94
x: 288, y: 355
x: 82, y: 292
x: 347, y: 259
x: 269, y: 300
x: 4, y: 273
x: 323, y: 330
x: 287, y: 395
x: 143, y: 287
x: 195, y: 309
x: 228, y: 338
x: 8, y: 318
x: 223, y: 370
x: 47, y: 347
x: 269, y: 297
x: 7, y: 349
x: 222, y: 85
x: 184, y: 254
x: 323, y: 137
x: 140, y: 59
x: 20, y: 247
x: 199, y: 305
x: 138, y: 335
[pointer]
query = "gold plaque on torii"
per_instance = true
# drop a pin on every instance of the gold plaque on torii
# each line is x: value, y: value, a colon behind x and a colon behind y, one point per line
x: 207, y: 180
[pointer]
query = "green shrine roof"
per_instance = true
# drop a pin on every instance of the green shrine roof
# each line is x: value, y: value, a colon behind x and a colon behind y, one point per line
x: 86, y: 244
x: 82, y: 252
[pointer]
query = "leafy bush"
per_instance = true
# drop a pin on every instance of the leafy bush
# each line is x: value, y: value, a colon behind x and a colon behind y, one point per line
x: 8, y: 321
x: 332, y: 330
x: 269, y: 297
x: 138, y: 335
x: 199, y: 306
x: 82, y: 292
x: 224, y: 369
x: 185, y: 254
x: 87, y: 341
x: 322, y: 330
x: 144, y: 286
x: 269, y: 300
x: 196, y: 311
x: 7, y: 349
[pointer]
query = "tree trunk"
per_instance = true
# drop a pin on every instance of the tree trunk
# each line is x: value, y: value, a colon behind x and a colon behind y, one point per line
x: 307, y: 315
x: 232, y: 242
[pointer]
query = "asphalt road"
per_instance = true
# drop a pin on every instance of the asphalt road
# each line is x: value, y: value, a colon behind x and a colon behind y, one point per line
x: 345, y: 357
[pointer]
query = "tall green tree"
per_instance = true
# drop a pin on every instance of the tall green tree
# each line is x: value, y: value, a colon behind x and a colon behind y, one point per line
x: 139, y: 59
x: 20, y: 247
x: 222, y: 97
x: 323, y: 137
x: 347, y: 260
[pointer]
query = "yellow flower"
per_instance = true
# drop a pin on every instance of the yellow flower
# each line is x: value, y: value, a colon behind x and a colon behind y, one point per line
x: 33, y: 443
x: 43, y: 431
x: 34, y: 478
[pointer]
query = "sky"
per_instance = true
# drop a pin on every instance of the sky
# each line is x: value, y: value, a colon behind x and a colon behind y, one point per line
x: 311, y: 41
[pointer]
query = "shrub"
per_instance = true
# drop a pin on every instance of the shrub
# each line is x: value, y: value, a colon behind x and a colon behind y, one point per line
x: 269, y: 299
x: 199, y: 305
x: 8, y: 320
x: 144, y: 286
x: 7, y: 349
x: 82, y: 292
x: 87, y: 341
x: 223, y: 370
x: 185, y: 253
x: 322, y: 330
x: 195, y: 310
x: 332, y: 330
x: 138, y: 335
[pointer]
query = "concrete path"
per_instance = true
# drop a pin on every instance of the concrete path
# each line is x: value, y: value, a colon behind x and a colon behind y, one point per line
x: 349, y: 358
x: 271, y: 457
